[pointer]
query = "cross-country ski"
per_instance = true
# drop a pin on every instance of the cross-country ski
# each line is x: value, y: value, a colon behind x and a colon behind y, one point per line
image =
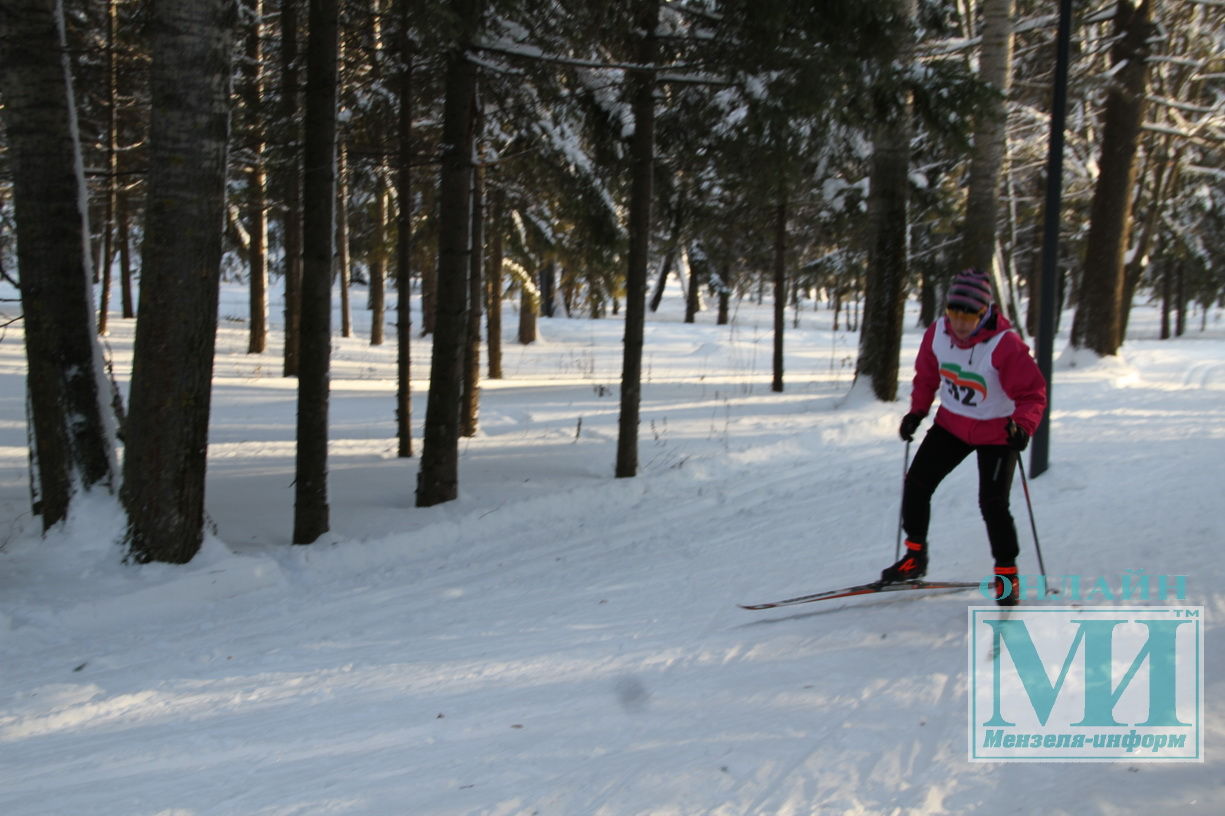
x: 863, y: 589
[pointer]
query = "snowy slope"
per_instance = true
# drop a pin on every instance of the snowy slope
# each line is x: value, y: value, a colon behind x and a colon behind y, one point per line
x: 561, y: 642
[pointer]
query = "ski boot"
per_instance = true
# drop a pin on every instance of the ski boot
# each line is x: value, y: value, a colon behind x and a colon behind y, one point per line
x: 911, y: 567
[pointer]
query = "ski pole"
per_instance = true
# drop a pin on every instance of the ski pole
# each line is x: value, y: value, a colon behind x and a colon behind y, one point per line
x: 1032, y: 524
x: 897, y: 550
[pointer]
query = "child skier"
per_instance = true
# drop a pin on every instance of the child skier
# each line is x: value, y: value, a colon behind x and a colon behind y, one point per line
x: 992, y: 397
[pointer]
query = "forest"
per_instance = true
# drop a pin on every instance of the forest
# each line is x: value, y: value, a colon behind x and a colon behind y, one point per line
x: 565, y: 157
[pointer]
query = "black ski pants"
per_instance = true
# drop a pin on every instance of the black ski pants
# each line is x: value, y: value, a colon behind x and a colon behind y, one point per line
x: 941, y: 452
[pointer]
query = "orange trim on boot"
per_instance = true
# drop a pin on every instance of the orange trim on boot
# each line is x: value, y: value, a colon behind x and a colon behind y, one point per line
x: 1007, y: 586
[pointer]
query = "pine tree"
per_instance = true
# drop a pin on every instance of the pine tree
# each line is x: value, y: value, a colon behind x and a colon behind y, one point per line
x: 404, y: 230
x: 68, y: 395
x: 880, y: 340
x: 471, y: 401
x: 167, y: 427
x: 288, y: 174
x: 1098, y: 323
x: 438, y: 479
x: 990, y: 138
x: 256, y: 192
x: 494, y: 283
x: 311, y: 516
x: 642, y: 157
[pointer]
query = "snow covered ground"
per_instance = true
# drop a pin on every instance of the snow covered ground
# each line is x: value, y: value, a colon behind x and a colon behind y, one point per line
x: 561, y: 642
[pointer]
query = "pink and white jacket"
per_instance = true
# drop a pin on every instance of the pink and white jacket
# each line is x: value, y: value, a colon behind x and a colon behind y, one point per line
x: 983, y: 381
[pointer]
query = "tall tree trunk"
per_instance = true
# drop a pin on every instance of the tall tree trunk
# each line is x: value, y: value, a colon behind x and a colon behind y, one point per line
x: 698, y: 275
x: 319, y: 236
x: 438, y: 480
x: 548, y: 289
x: 257, y: 215
x: 1180, y: 298
x: 172, y: 367
x: 1033, y: 275
x: 291, y: 183
x: 885, y: 294
x: 570, y: 293
x: 104, y: 287
x: 1167, y: 298
x: 595, y: 296
x: 344, y: 267
x: 377, y: 301
x: 378, y: 260
x: 1167, y: 170
x: 68, y: 396
x: 725, y: 296
x: 125, y: 258
x: 670, y: 251
x: 112, y: 165
x: 665, y: 269
x: 258, y: 269
x: 880, y: 342
x: 780, y: 285
x: 880, y: 339
x: 642, y: 157
x: 257, y: 342
x: 377, y: 257
x: 429, y: 299
x: 1014, y: 251
x: 493, y: 330
x: 404, y: 238
x: 529, y: 308
x: 470, y: 409
x: 990, y: 138
x: 1098, y: 322
x: 928, y: 296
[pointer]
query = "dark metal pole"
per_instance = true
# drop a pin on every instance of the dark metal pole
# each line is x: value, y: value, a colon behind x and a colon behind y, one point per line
x: 1040, y: 457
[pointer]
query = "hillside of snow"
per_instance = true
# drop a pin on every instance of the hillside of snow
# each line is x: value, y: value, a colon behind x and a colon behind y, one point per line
x: 558, y: 641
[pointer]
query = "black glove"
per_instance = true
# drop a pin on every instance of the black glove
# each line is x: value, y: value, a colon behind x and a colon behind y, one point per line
x: 910, y: 424
x: 1018, y: 437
